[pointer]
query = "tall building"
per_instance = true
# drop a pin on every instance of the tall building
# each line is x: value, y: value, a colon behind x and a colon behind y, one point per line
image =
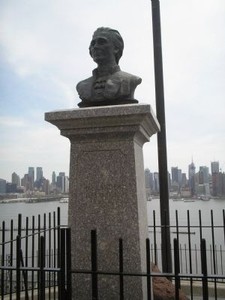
x: 62, y: 183
x: 191, y: 178
x: 203, y: 175
x: 53, y: 178
x: 174, y: 174
x: 214, y: 167
x: 15, y: 179
x: 39, y: 173
x: 156, y: 182
x: 31, y: 177
x: 2, y: 186
x: 215, y: 178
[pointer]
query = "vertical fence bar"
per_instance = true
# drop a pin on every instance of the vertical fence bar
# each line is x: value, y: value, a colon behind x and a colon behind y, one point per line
x: 94, y: 265
x: 24, y: 275
x: 200, y: 224
x: 224, y: 225
x: 121, y: 269
x: 181, y: 258
x: 176, y: 268
x: 167, y: 264
x: 18, y: 248
x: 204, y: 270
x: 54, y: 252
x: 189, y: 252
x: 39, y: 248
x: 58, y: 250
x: 42, y: 271
x: 155, y: 239
x: 3, y: 260
x: 214, y: 253
x: 177, y: 243
x: 11, y: 260
x: 49, y: 254
x: 26, y: 242
x: 148, y: 264
x: 68, y: 265
x: 32, y: 256
x: 19, y: 224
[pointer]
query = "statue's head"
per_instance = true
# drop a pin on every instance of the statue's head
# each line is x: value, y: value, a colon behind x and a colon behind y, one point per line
x: 106, y: 44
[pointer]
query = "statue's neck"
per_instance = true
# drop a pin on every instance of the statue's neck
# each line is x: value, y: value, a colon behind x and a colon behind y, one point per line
x: 106, y: 70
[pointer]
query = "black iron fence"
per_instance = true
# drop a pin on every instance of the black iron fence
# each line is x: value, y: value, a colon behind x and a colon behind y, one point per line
x: 36, y: 259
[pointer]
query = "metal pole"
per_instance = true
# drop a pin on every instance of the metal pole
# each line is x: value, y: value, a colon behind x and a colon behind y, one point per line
x: 162, y: 152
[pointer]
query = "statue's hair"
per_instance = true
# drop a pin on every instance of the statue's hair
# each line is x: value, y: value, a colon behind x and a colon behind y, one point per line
x: 115, y: 37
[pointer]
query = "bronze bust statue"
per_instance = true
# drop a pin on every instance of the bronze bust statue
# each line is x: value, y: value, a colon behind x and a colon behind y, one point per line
x: 108, y: 85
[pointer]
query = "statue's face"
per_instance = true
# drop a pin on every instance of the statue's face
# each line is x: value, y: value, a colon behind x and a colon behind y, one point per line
x: 102, y: 49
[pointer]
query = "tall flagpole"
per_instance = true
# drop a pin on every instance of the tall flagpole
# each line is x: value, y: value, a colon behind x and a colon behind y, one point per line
x: 161, y: 136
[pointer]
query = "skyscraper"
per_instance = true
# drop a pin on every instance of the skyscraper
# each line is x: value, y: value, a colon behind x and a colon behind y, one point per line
x: 191, y: 177
x: 31, y: 176
x: 215, y: 167
x: 203, y: 175
x: 39, y: 173
x: 215, y: 178
x: 15, y: 179
x: 53, y: 178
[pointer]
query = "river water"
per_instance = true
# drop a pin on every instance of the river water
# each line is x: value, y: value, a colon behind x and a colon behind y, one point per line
x: 212, y: 213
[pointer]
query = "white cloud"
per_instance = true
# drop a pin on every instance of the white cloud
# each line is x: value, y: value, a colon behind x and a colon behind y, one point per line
x: 10, y: 122
x: 46, y: 43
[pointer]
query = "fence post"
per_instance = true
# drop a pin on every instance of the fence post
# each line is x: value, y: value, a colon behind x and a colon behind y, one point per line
x: 42, y: 271
x: 94, y: 265
x: 3, y: 258
x: 204, y: 270
x: 176, y: 268
x: 18, y: 248
x: 148, y: 263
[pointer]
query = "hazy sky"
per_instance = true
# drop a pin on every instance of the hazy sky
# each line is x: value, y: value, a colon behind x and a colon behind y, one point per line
x: 44, y: 53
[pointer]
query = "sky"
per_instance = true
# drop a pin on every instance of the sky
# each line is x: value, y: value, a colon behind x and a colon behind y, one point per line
x: 44, y: 54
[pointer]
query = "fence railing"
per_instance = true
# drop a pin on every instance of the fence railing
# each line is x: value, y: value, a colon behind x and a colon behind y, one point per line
x: 36, y: 259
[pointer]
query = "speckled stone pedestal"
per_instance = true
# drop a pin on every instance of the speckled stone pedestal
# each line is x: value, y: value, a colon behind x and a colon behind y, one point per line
x: 107, y: 192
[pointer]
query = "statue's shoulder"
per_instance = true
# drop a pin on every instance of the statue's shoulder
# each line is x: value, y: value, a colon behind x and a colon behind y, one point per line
x: 85, y: 83
x: 84, y: 88
x: 127, y: 77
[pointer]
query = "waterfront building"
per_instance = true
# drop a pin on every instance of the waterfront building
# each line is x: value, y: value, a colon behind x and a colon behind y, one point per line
x: 53, y: 178
x: 39, y: 173
x: 215, y: 178
x: 2, y: 186
x: 31, y: 176
x: 203, y: 175
x: 215, y: 167
x: 156, y: 182
x: 191, y: 178
x: 15, y: 179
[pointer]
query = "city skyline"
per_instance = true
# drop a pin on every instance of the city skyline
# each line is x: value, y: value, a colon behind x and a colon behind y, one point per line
x: 42, y: 61
x: 39, y: 169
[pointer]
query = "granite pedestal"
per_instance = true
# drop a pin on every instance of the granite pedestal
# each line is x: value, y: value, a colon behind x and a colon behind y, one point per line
x: 107, y: 192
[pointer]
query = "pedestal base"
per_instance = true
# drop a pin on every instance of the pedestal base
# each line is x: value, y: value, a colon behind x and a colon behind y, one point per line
x: 107, y: 193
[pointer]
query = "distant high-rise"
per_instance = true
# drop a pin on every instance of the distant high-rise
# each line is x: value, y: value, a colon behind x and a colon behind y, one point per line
x: 53, y: 178
x: 215, y: 167
x: 215, y: 178
x: 31, y: 177
x: 203, y: 175
x: 31, y: 173
x: 15, y: 179
x: 191, y: 178
x: 2, y: 186
x: 39, y: 173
